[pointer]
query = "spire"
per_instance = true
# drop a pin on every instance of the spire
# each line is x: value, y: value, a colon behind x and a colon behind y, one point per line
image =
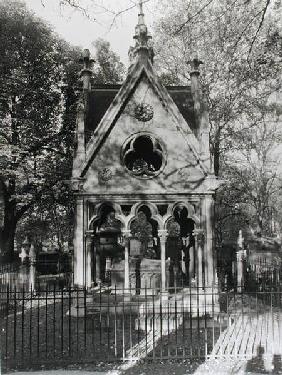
x: 142, y: 46
x: 141, y: 28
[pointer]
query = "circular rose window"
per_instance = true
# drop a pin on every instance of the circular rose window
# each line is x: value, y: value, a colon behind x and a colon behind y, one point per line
x: 143, y: 155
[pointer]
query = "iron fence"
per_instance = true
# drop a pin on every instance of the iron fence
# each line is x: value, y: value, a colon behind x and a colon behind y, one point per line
x: 260, y: 276
x: 57, y: 327
x: 18, y: 275
x: 263, y: 276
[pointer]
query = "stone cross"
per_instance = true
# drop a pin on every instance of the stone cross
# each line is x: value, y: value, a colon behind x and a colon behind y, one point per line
x: 23, y: 254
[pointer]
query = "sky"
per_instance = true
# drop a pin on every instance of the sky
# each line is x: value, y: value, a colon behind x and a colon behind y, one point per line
x: 78, y: 29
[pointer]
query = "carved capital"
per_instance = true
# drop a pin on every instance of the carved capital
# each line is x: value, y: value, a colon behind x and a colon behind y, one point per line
x: 162, y: 233
x: 126, y: 233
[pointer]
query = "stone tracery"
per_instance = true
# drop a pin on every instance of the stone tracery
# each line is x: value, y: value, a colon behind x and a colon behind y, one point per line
x: 143, y: 155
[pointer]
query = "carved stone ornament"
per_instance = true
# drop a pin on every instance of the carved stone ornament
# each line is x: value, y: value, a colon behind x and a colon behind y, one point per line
x: 143, y: 112
x: 77, y: 184
x: 105, y: 175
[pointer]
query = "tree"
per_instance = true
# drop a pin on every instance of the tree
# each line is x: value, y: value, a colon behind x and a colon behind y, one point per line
x: 39, y: 78
x: 32, y: 62
x: 240, y: 43
x: 54, y: 211
x: 251, y: 196
x: 108, y: 67
x: 238, y: 80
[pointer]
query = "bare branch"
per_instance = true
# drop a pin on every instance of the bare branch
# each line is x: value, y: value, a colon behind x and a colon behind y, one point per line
x: 118, y: 14
x: 259, y: 27
x: 193, y: 16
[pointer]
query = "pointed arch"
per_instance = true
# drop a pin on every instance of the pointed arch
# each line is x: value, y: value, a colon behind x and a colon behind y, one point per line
x: 190, y: 210
x: 98, y: 211
x: 154, y: 213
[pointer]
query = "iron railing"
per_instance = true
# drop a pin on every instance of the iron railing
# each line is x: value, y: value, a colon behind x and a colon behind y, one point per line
x: 55, y: 327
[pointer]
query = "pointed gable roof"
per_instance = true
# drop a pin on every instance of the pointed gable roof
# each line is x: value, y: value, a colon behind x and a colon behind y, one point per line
x: 142, y: 67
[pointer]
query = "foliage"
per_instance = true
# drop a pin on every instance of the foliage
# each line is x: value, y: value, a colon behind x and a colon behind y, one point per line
x: 240, y: 43
x: 34, y: 140
x: 108, y: 67
x: 38, y: 93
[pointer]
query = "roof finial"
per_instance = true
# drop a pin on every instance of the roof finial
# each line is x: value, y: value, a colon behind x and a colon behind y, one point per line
x: 141, y: 7
x: 141, y: 31
x: 86, y: 72
x: 142, y: 48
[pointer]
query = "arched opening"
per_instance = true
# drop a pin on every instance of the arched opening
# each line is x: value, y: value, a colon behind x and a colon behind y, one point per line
x: 144, y: 232
x: 107, y: 245
x: 145, y: 249
x: 180, y: 247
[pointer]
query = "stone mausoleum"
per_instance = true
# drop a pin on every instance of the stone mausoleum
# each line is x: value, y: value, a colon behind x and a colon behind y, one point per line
x: 143, y: 179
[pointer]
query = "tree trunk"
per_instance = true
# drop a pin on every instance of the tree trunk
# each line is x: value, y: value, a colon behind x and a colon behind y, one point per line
x: 216, y: 156
x: 7, y: 234
x: 216, y: 153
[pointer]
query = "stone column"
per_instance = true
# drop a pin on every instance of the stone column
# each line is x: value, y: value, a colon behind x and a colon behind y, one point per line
x: 163, y: 236
x: 32, y: 270
x: 191, y: 271
x: 126, y: 234
x: 89, y: 259
x: 78, y: 263
x: 208, y: 250
x: 199, y: 246
x: 96, y: 256
x: 240, y: 254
